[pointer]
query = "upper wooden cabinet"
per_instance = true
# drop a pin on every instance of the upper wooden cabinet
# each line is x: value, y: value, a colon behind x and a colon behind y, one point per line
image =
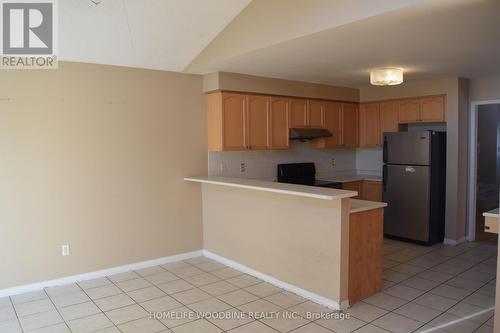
x: 278, y: 121
x: 258, y: 122
x: 242, y: 122
x: 234, y: 135
x: 350, y: 116
x: 298, y: 113
x: 333, y: 123
x: 432, y: 109
x: 369, y: 125
x: 409, y: 110
x: 315, y: 114
x: 389, y: 117
x: 424, y: 109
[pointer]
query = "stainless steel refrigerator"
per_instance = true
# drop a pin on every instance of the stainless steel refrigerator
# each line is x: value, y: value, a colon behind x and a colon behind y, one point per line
x: 414, y: 186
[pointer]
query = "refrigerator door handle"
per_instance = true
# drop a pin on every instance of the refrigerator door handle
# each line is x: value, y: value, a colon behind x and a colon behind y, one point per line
x: 384, y: 154
x: 384, y: 178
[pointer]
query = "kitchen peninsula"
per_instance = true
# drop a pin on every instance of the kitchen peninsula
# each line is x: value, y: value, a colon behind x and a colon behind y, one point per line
x: 301, y: 238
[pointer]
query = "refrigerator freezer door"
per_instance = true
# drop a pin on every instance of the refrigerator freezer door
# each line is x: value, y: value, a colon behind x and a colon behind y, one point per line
x: 413, y: 148
x: 407, y: 192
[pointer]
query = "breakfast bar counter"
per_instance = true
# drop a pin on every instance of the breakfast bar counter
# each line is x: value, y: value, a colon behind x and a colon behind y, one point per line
x: 294, y: 236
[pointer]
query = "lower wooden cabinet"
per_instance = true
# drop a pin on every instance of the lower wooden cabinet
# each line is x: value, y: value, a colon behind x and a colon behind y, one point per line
x: 367, y: 189
x: 366, y: 238
x: 372, y: 190
x: 354, y: 186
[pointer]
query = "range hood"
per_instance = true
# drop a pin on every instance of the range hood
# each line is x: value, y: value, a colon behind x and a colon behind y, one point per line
x: 304, y: 134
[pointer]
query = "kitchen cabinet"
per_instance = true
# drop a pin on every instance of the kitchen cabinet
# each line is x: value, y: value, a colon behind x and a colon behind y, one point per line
x: 370, y: 134
x: 432, y: 109
x: 246, y: 122
x: 424, y: 109
x: 409, y: 110
x: 350, y: 113
x: 356, y: 186
x: 315, y: 114
x: 234, y: 136
x: 366, y: 242
x: 389, y: 117
x: 258, y: 122
x: 278, y: 122
x: 333, y: 123
x: 298, y: 113
x: 372, y: 190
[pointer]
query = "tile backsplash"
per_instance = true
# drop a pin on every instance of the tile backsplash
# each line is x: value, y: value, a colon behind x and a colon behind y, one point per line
x: 262, y: 164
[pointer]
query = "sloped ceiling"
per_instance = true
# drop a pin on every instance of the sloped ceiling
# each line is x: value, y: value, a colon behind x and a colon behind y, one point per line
x: 156, y: 34
x: 430, y: 39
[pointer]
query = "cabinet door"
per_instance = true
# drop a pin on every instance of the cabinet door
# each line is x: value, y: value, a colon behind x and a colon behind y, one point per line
x: 369, y: 125
x: 372, y: 190
x: 356, y: 186
x: 349, y: 125
x: 432, y: 109
x: 315, y: 114
x: 234, y: 121
x: 298, y: 113
x: 389, y: 117
x: 258, y: 121
x: 409, y: 110
x: 278, y: 119
x: 333, y: 122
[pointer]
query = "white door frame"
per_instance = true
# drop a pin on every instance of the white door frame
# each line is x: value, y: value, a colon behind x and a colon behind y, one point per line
x: 471, y: 183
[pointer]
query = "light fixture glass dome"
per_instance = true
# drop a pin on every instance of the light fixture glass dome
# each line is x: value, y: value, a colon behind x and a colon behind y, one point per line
x: 387, y: 76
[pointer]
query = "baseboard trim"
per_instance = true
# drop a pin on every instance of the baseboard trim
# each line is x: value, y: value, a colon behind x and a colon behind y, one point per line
x: 97, y: 274
x: 454, y: 242
x: 278, y: 283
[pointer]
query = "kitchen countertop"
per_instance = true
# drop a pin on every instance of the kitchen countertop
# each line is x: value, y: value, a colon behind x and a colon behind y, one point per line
x: 492, y: 213
x: 364, y: 205
x: 267, y: 186
x: 349, y: 178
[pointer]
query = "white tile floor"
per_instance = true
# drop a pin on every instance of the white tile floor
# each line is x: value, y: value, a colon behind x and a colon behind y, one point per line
x: 427, y: 289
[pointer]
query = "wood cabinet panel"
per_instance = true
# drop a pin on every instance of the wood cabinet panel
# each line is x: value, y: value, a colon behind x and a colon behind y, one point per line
x: 298, y: 113
x: 369, y: 125
x: 349, y: 125
x: 234, y: 121
x: 365, y: 254
x: 372, y: 190
x: 278, y: 119
x: 432, y: 109
x: 354, y: 186
x: 258, y: 122
x: 315, y: 114
x: 389, y: 117
x: 409, y: 110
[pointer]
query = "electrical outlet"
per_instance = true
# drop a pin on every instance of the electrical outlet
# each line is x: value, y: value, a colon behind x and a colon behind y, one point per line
x: 65, y: 250
x: 243, y: 167
x: 333, y: 163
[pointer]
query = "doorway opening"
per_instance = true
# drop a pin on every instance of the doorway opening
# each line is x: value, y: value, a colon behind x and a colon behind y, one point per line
x: 484, y: 171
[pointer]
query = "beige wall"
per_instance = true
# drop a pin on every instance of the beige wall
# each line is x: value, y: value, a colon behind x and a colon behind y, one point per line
x: 259, y: 84
x: 485, y: 88
x: 294, y: 239
x: 456, y: 90
x: 94, y: 156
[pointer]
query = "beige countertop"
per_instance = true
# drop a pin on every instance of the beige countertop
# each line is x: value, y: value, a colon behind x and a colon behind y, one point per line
x: 364, y: 205
x: 492, y: 213
x: 268, y: 186
x: 349, y: 178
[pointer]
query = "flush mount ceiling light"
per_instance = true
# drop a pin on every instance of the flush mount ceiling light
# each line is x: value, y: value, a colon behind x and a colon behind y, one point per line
x: 388, y: 76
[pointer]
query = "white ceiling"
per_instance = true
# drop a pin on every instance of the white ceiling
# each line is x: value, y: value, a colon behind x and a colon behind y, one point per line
x: 429, y: 39
x: 156, y: 34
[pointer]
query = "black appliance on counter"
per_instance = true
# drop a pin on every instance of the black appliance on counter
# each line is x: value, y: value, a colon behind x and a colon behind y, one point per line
x: 303, y: 174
